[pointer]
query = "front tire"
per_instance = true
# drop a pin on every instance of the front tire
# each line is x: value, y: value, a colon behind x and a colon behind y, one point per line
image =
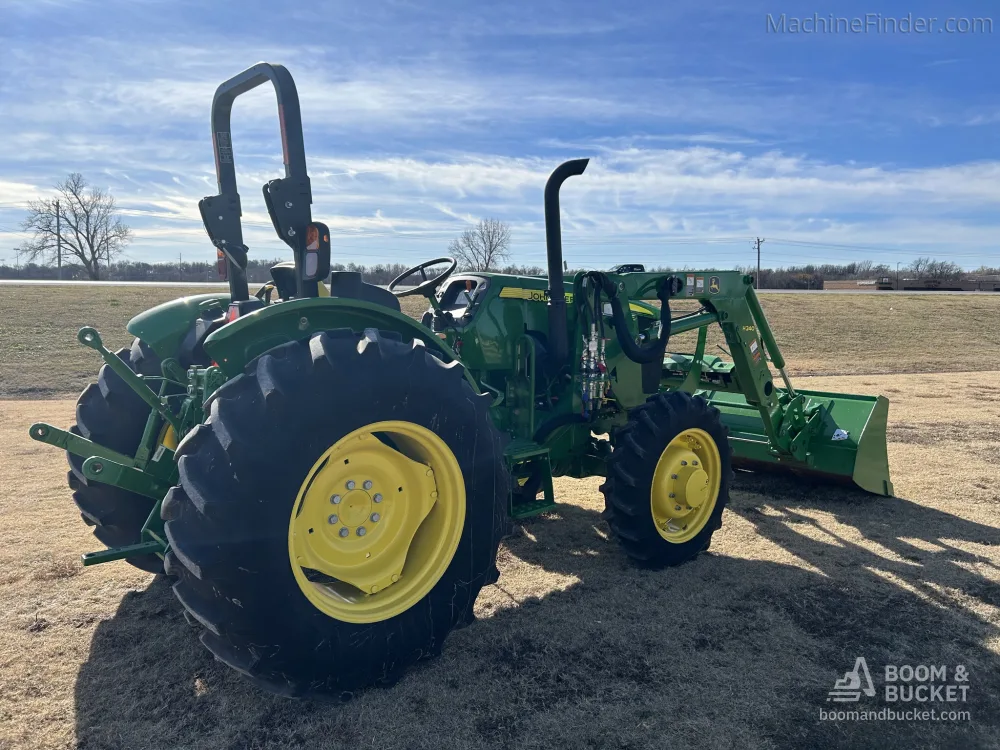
x: 111, y: 414
x: 668, y: 479
x: 245, y: 474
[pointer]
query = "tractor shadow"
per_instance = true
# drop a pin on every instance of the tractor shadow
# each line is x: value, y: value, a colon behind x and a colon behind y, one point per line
x: 576, y: 647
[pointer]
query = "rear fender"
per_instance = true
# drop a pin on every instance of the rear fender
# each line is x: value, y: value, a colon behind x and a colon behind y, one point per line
x: 249, y: 336
x: 164, y: 327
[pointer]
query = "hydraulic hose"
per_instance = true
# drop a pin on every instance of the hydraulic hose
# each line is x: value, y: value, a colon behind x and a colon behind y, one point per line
x: 639, y: 353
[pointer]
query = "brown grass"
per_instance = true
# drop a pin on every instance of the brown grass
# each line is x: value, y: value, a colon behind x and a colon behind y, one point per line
x: 39, y: 353
x: 575, y: 647
x: 836, y: 334
x: 843, y: 334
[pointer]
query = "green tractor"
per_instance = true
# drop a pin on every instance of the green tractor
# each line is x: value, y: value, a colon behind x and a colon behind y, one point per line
x: 327, y: 481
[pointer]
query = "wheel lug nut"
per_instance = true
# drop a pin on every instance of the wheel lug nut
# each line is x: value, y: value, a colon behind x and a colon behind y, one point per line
x: 672, y: 494
x: 362, y: 531
x: 332, y: 519
x: 677, y: 507
x: 335, y: 499
x: 368, y: 484
x: 376, y: 517
x: 350, y: 484
x: 684, y: 463
x: 344, y: 532
x: 378, y: 497
x: 694, y: 463
x: 673, y: 476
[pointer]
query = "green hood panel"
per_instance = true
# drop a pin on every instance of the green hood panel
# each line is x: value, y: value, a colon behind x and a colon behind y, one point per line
x: 163, y: 327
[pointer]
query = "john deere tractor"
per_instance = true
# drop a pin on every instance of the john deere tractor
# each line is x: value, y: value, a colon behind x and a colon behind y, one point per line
x: 327, y: 481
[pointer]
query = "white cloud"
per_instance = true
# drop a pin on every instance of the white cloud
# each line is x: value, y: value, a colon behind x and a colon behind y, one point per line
x: 411, y: 151
x: 630, y: 195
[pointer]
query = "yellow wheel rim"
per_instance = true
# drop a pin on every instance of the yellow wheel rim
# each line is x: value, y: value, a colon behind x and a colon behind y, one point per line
x: 686, y: 485
x: 377, y: 521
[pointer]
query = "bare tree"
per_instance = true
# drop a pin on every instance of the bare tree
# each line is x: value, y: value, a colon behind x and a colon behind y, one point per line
x: 484, y: 247
x: 943, y: 269
x: 87, y: 220
x: 863, y: 268
x: 919, y: 267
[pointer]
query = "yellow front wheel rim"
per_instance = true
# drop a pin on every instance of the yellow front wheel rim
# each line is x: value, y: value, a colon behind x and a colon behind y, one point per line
x: 686, y: 485
x: 377, y: 521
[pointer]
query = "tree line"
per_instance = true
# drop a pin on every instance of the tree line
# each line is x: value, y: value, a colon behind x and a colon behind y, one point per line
x: 258, y: 271
x: 78, y: 234
x: 812, y: 276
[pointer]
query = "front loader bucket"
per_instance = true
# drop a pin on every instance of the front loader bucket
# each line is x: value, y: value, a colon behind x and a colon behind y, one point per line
x: 848, y: 445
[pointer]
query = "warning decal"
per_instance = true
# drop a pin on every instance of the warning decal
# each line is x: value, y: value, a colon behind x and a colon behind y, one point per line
x: 224, y: 145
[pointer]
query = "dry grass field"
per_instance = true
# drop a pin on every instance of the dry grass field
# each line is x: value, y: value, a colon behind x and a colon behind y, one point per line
x: 574, y: 647
x: 819, y: 334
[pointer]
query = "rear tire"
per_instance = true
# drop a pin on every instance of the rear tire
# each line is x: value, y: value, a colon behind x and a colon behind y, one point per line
x: 240, y: 475
x: 110, y: 413
x: 629, y: 489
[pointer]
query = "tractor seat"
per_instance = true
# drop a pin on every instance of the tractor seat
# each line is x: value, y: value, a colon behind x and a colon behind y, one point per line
x: 346, y: 284
x: 349, y: 284
x: 283, y: 275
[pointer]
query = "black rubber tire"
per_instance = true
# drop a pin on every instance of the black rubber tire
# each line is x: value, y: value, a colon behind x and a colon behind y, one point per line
x: 638, y: 447
x: 240, y: 472
x: 112, y: 414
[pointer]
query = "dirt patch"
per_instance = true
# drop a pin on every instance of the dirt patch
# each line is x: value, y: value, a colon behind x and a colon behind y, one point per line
x: 53, y: 570
x: 930, y: 433
x: 574, y: 646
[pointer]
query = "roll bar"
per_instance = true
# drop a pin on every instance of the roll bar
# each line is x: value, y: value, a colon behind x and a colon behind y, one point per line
x: 288, y: 199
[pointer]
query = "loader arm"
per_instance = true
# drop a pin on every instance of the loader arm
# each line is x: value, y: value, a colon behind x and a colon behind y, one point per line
x: 832, y: 435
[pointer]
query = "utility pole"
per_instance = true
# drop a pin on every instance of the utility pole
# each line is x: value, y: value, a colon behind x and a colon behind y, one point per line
x: 58, y: 244
x: 756, y: 244
x: 897, y: 274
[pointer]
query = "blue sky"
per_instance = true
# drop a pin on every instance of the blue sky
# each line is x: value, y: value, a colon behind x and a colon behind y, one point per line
x: 705, y: 127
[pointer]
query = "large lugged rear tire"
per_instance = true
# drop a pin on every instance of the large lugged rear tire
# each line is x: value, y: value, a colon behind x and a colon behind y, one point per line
x: 110, y: 413
x: 243, y: 477
x: 668, y: 479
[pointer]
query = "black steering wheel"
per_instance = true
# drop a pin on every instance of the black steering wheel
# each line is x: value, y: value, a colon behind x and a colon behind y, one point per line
x: 427, y: 287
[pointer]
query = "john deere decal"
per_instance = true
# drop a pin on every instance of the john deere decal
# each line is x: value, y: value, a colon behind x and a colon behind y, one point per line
x: 532, y: 295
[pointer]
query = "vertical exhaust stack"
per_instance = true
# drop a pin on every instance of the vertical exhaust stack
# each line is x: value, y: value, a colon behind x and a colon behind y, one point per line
x: 558, y: 334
